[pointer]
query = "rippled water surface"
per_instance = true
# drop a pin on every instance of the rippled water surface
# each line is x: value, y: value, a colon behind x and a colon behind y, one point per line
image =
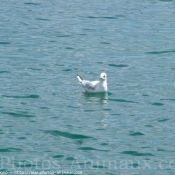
x: 49, y: 124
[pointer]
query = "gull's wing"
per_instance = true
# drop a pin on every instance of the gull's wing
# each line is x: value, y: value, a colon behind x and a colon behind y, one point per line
x: 91, y: 85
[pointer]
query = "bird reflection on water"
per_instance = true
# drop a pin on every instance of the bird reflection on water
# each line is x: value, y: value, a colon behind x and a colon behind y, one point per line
x: 101, y: 97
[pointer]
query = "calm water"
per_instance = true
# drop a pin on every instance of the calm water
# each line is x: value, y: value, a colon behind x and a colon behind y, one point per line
x: 49, y: 124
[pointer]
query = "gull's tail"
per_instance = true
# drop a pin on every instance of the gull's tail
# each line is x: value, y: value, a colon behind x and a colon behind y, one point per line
x: 79, y: 78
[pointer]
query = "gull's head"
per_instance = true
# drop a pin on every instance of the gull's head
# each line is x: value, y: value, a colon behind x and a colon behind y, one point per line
x: 103, y: 76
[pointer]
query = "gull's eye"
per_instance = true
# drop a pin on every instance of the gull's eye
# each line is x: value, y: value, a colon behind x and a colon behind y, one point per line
x: 104, y: 76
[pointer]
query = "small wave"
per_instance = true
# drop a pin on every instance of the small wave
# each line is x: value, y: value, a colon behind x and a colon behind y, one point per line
x: 157, y: 104
x: 136, y: 134
x: 58, y: 156
x: 14, y: 114
x: 135, y: 153
x: 118, y: 65
x: 123, y: 101
x: 31, y: 3
x: 25, y: 96
x: 3, y: 72
x: 90, y: 149
x: 169, y: 99
x: 161, y: 52
x: 67, y: 134
x: 4, y: 42
x: 10, y: 150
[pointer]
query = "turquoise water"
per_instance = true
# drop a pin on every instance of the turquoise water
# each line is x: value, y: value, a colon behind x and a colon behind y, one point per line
x: 49, y: 124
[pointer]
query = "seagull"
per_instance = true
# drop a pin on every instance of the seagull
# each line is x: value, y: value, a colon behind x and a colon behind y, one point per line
x: 94, y: 86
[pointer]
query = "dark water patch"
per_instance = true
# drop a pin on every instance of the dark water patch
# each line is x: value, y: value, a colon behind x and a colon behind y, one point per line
x: 83, y: 34
x: 90, y: 110
x: 98, y: 94
x: 136, y: 133
x: 168, y: 99
x: 8, y: 126
x: 118, y: 65
x: 134, y: 165
x: 79, y: 142
x: 161, y: 52
x: 69, y: 48
x: 71, y: 158
x: 122, y: 101
x: 16, y: 96
x: 135, y: 153
x: 66, y: 134
x: 107, y: 109
x: 32, y: 121
x: 44, y: 107
x: 67, y: 70
x: 105, y: 17
x: 157, y: 104
x: 1, y: 131
x: 99, y: 166
x: 88, y: 29
x: 99, y: 62
x: 105, y: 43
x: 31, y: 3
x: 100, y: 129
x: 145, y: 95
x: 72, y: 107
x: 14, y: 114
x: 104, y: 144
x: 3, y: 72
x: 150, y: 126
x: 90, y: 149
x: 10, y: 150
x: 24, y: 164
x: 160, y: 149
x: 23, y: 103
x: 4, y: 43
x: 59, y: 156
x: 163, y: 120
x: 146, y: 147
x: 21, y: 138
x: 42, y: 19
x: 110, y: 93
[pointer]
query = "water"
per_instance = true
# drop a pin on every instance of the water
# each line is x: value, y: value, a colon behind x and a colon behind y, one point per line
x: 49, y: 124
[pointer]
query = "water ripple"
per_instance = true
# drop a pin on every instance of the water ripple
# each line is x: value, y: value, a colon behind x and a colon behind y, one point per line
x: 58, y: 156
x: 157, y: 104
x: 90, y: 149
x: 10, y: 150
x: 136, y: 134
x: 31, y: 3
x: 17, y: 96
x: 118, y: 65
x: 67, y: 134
x: 4, y: 42
x: 123, y: 101
x: 135, y: 153
x: 14, y: 114
x: 161, y: 52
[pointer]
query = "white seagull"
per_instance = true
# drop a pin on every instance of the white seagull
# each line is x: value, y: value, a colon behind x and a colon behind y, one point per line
x: 95, y: 86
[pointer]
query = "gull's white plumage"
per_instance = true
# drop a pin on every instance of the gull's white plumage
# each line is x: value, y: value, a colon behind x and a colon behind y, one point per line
x: 94, y: 86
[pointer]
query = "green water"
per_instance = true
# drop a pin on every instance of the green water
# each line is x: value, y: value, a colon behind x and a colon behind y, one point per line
x: 49, y: 124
